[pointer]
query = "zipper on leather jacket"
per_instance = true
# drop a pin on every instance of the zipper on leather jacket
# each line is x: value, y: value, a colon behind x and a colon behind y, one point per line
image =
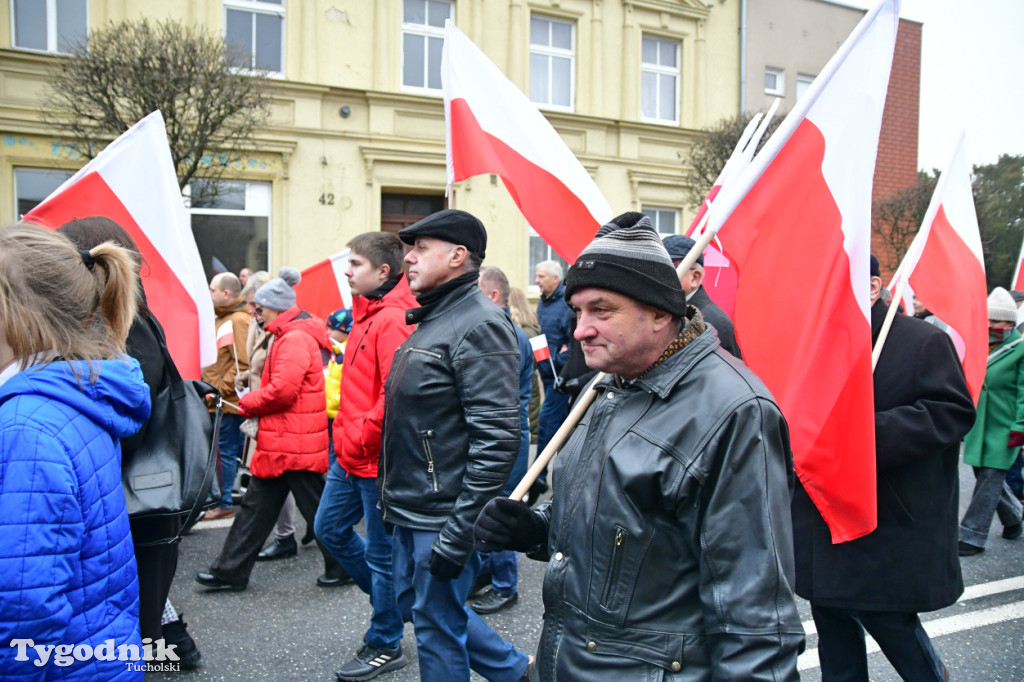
x: 427, y: 435
x: 618, y: 549
x: 425, y: 352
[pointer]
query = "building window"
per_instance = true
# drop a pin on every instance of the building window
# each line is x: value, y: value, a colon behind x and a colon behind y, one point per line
x: 540, y: 252
x: 32, y: 185
x: 402, y: 210
x: 666, y: 220
x: 659, y: 80
x: 803, y: 81
x: 49, y: 25
x: 232, y: 225
x: 256, y: 27
x: 774, y: 81
x: 552, y: 62
x: 422, y: 40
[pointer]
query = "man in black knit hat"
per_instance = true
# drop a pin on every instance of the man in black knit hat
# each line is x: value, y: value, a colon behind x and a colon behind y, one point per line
x: 668, y: 534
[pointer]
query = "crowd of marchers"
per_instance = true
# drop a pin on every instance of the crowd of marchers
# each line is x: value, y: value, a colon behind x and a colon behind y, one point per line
x: 676, y: 533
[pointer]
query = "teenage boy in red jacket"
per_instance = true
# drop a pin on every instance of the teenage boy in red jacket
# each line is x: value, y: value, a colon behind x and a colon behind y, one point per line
x: 381, y: 296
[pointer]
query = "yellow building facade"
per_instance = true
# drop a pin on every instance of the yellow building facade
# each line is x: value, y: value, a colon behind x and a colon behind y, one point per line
x: 356, y: 140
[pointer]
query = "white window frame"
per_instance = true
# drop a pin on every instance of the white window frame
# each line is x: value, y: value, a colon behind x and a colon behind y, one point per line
x: 657, y: 214
x: 550, y: 51
x: 16, y: 169
x: 803, y: 81
x: 780, y: 81
x: 661, y: 70
x: 258, y: 204
x: 51, y: 28
x: 427, y: 32
x: 257, y: 7
x: 532, y: 289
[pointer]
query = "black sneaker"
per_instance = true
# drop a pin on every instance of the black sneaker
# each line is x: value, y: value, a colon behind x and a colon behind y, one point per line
x: 185, y: 647
x: 370, y: 662
x: 1012, y: 532
x: 965, y: 549
x: 493, y: 601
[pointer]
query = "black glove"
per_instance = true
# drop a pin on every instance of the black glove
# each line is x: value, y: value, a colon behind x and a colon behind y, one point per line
x: 559, y: 384
x: 444, y: 569
x: 508, y: 524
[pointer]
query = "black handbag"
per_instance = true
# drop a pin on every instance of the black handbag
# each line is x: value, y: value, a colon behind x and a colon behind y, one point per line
x: 173, y: 473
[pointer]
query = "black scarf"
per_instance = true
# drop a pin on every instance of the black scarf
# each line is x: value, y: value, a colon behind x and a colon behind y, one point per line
x: 430, y: 299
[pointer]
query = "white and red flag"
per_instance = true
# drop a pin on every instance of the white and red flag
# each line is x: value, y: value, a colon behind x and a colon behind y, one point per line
x: 1018, y: 273
x: 541, y: 351
x: 133, y: 183
x: 804, y: 203
x: 491, y: 127
x: 946, y: 268
x: 324, y: 287
x: 225, y: 335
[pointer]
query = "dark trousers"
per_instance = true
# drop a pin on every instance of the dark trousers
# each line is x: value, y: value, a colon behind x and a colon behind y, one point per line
x: 156, y: 566
x: 843, y: 654
x: 255, y: 518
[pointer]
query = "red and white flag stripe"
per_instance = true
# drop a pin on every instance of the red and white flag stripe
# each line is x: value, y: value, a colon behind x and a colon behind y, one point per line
x: 539, y: 344
x: 324, y: 287
x: 225, y: 335
x: 806, y: 199
x: 133, y: 183
x: 493, y: 128
x: 946, y: 267
x: 1018, y: 274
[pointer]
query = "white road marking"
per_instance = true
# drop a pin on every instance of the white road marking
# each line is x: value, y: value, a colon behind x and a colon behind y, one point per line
x: 939, y: 627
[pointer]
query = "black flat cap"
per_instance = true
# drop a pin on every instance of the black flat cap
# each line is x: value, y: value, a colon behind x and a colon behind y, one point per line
x: 876, y: 271
x: 678, y: 246
x: 451, y: 225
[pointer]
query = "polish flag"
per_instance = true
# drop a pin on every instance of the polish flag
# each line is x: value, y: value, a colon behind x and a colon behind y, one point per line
x: 133, y: 183
x: 324, y: 287
x: 491, y: 127
x: 539, y: 344
x: 805, y: 199
x: 719, y: 275
x: 946, y: 268
x: 1018, y: 274
x: 225, y: 335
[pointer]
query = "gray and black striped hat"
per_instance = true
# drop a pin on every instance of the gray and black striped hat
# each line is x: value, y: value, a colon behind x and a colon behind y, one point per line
x: 627, y: 257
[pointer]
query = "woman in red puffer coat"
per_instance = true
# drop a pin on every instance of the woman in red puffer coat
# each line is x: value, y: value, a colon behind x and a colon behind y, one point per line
x: 291, y: 443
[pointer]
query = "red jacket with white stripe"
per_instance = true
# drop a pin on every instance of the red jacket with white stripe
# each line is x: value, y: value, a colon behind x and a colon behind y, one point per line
x: 290, y: 403
x: 378, y: 329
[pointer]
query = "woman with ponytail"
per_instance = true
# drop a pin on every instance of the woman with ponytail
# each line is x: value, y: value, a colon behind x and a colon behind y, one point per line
x: 68, y: 394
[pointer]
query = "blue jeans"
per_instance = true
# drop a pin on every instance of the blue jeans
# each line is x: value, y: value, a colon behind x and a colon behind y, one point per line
x: 991, y: 497
x: 503, y: 567
x: 843, y: 653
x: 347, y: 499
x: 450, y: 638
x: 552, y: 413
x: 230, y: 444
x: 1014, y: 478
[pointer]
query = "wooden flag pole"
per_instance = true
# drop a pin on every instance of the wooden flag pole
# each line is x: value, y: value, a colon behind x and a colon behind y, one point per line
x: 876, y: 352
x: 579, y: 408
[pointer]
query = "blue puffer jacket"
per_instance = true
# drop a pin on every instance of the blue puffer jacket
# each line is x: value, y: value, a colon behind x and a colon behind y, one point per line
x: 67, y: 568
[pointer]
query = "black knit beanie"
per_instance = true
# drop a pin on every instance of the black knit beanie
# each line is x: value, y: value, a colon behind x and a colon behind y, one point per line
x: 627, y: 257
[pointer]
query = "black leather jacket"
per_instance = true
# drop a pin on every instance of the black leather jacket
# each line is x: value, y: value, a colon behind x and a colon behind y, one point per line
x: 451, y: 419
x: 670, y: 538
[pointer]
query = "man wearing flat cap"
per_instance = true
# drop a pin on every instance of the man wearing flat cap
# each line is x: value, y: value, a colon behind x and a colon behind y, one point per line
x: 450, y: 438
x: 678, y: 246
x: 668, y: 534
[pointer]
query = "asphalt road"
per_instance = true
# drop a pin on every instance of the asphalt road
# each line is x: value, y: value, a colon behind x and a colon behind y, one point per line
x: 284, y: 627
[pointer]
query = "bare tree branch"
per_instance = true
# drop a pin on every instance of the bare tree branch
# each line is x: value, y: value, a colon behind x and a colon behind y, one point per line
x: 128, y: 70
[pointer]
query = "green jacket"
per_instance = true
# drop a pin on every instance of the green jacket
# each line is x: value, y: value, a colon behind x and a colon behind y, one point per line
x: 1000, y: 407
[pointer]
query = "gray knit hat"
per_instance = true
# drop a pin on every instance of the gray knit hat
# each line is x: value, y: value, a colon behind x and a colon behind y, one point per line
x: 278, y: 294
x: 1001, y: 306
x: 627, y: 257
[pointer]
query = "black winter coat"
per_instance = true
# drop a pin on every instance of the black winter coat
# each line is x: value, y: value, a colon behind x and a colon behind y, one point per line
x: 922, y: 411
x: 718, y: 319
x: 451, y: 419
x: 668, y: 532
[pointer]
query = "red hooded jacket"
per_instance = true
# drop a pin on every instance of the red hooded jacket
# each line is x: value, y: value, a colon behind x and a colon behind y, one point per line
x: 290, y: 403
x: 378, y: 329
